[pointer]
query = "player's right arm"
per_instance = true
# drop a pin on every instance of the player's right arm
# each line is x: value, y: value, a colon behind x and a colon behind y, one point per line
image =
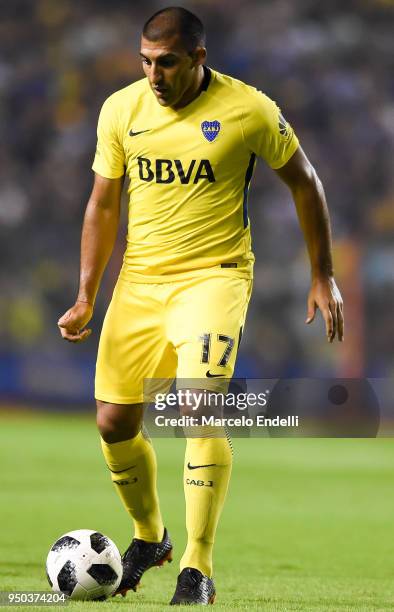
x: 99, y: 232
x: 101, y: 220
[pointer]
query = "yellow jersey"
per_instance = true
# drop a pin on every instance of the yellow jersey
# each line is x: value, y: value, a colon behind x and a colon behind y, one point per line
x: 189, y: 172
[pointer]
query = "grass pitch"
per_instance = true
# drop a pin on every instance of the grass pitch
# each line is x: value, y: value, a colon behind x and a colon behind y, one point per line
x: 308, y: 524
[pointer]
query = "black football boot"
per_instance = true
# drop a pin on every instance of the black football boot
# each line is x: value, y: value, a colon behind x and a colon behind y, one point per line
x: 139, y: 557
x: 193, y: 588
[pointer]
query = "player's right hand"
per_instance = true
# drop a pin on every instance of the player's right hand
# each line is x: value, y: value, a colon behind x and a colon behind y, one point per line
x: 72, y: 323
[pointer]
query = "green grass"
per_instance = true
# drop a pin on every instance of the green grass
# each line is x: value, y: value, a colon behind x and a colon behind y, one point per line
x: 308, y: 524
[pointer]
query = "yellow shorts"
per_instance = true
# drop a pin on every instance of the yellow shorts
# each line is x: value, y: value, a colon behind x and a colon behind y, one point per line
x: 187, y: 329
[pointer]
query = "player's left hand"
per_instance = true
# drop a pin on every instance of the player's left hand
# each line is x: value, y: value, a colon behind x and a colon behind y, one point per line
x: 325, y: 295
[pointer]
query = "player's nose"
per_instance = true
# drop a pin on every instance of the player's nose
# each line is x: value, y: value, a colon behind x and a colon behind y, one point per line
x: 156, y: 76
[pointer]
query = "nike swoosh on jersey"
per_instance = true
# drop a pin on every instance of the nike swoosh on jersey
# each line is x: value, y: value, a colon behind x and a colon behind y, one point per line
x: 131, y: 133
x: 194, y: 467
x: 209, y: 375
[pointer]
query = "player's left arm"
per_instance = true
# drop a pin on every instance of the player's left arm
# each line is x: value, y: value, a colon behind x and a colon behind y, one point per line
x: 308, y: 194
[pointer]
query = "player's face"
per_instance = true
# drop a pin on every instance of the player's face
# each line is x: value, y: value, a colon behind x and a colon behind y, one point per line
x: 170, y: 69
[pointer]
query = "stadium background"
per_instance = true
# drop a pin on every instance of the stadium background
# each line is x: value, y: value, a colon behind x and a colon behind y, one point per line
x: 328, y: 67
x: 313, y: 518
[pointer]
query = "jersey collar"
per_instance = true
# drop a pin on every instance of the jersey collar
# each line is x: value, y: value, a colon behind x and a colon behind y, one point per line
x: 207, y: 78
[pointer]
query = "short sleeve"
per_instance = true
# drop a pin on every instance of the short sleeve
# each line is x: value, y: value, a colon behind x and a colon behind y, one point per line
x: 109, y: 158
x: 267, y: 132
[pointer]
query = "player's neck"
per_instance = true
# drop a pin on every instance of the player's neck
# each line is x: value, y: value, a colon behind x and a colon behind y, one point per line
x: 194, y: 90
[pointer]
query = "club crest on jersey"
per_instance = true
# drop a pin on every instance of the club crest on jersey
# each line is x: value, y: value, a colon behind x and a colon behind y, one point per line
x: 210, y: 129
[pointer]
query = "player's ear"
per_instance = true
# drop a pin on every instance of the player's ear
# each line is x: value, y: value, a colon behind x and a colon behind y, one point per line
x: 199, y: 56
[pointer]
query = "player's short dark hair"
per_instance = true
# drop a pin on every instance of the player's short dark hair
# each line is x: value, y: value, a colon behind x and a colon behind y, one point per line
x: 175, y: 20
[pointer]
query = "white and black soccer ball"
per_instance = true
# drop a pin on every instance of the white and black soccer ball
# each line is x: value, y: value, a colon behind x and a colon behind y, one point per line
x: 84, y: 564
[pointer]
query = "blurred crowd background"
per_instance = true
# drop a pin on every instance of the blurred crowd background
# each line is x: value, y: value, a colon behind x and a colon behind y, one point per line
x: 329, y: 66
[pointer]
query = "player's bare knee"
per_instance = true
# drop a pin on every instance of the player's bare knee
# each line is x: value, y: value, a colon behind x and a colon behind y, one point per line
x: 117, y: 423
x: 113, y: 431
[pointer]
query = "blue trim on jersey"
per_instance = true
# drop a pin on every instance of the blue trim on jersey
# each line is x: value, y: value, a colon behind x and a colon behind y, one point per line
x: 248, y: 177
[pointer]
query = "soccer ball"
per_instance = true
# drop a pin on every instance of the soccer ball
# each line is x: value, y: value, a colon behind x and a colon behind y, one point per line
x: 84, y: 564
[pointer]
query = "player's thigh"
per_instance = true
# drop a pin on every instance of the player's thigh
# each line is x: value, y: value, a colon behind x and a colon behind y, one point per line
x: 133, y: 344
x: 207, y: 318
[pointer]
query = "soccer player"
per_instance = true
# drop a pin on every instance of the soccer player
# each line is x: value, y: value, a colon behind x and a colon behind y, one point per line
x: 187, y: 137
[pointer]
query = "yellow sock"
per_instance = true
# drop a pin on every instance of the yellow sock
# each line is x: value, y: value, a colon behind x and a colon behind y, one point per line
x: 133, y: 470
x: 205, y: 492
